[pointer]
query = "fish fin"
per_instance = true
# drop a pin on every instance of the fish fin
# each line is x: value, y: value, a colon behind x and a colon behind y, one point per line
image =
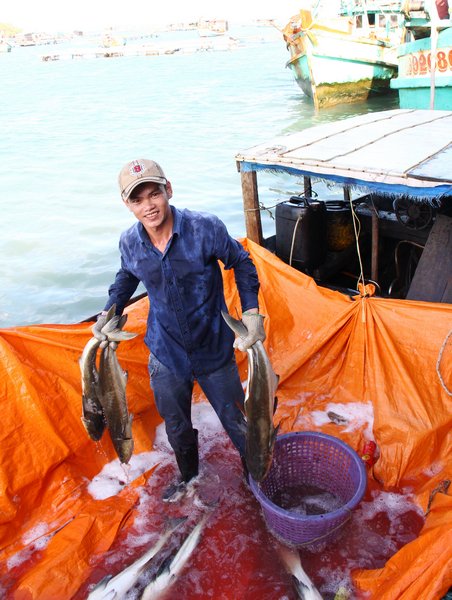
x: 275, y: 381
x: 301, y: 588
x: 172, y: 523
x: 122, y: 321
x: 165, y: 566
x: 110, y: 324
x: 274, y: 434
x: 100, y: 585
x: 117, y: 335
x: 127, y: 430
x: 302, y: 583
x: 110, y: 313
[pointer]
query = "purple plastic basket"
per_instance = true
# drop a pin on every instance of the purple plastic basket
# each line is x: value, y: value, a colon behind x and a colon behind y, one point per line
x: 315, y: 459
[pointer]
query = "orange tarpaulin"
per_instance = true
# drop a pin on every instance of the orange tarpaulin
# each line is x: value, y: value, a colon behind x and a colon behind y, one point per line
x: 327, y: 348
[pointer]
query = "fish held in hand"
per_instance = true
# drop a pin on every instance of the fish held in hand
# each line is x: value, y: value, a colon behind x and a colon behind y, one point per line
x: 92, y: 413
x: 102, y: 320
x: 260, y: 405
x: 112, y: 384
x: 113, y: 332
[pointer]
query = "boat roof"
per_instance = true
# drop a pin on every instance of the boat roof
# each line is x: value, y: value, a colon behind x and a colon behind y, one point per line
x: 394, y: 152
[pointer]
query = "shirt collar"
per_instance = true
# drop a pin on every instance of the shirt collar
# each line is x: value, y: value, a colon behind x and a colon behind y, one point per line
x: 177, y: 221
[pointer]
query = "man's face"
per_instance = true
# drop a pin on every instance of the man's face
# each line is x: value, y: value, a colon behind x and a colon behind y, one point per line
x: 150, y: 204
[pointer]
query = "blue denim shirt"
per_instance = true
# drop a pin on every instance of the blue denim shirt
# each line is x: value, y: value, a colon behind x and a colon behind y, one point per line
x: 185, y: 329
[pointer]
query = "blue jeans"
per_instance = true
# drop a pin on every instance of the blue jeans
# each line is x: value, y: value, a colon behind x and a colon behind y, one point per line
x: 173, y: 395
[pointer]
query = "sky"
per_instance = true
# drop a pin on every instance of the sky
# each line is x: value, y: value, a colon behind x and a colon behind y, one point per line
x: 90, y: 15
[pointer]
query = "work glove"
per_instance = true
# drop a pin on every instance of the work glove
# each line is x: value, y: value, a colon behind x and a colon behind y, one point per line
x: 96, y: 328
x: 254, y: 322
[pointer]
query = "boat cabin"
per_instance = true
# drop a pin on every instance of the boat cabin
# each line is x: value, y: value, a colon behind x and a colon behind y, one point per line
x: 382, y: 20
x: 366, y: 199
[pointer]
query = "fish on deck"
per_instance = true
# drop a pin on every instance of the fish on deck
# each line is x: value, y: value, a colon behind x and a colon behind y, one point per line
x: 303, y: 585
x: 118, y: 586
x: 174, y: 563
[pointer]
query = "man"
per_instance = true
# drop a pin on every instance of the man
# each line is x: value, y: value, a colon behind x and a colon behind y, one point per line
x: 175, y: 254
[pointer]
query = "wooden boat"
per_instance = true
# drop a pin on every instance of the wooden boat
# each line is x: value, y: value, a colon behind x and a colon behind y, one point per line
x: 212, y: 27
x: 407, y: 183
x: 110, y: 40
x: 344, y: 59
x: 384, y: 357
x: 394, y: 169
x: 425, y: 63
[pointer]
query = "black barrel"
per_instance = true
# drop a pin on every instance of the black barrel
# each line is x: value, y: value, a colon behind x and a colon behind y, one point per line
x: 301, y: 223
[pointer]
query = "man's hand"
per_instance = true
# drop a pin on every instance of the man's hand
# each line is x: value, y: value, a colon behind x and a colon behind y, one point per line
x: 96, y: 328
x: 254, y: 322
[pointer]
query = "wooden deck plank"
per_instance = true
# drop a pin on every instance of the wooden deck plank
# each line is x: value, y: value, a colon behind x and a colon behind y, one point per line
x: 432, y: 280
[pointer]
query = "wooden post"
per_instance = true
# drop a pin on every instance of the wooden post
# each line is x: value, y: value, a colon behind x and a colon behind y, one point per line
x: 307, y: 187
x: 251, y: 207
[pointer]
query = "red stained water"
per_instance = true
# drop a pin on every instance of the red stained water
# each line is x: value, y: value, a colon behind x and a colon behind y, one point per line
x: 237, y: 556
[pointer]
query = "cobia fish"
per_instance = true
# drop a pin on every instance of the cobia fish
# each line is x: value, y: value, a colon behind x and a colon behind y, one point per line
x: 114, y: 588
x: 112, y: 385
x: 93, y: 417
x: 92, y: 413
x: 172, y: 566
x: 260, y: 404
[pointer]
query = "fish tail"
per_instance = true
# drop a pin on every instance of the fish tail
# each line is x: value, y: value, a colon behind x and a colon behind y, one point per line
x: 237, y: 326
x: 116, y: 335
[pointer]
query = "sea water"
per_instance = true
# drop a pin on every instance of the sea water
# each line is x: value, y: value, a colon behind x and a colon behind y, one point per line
x: 68, y: 126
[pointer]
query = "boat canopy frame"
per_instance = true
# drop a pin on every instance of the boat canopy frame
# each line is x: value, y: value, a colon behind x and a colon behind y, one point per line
x: 395, y: 153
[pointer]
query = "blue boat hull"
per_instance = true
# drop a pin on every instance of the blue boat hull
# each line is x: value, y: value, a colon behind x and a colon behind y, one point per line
x: 414, y: 83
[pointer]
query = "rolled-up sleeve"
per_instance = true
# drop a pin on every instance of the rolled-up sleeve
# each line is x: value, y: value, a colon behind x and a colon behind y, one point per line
x: 122, y: 289
x: 234, y: 256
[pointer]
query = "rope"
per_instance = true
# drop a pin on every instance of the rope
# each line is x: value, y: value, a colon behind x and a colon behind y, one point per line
x: 262, y: 207
x: 357, y: 231
x: 300, y: 217
x: 438, y: 364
